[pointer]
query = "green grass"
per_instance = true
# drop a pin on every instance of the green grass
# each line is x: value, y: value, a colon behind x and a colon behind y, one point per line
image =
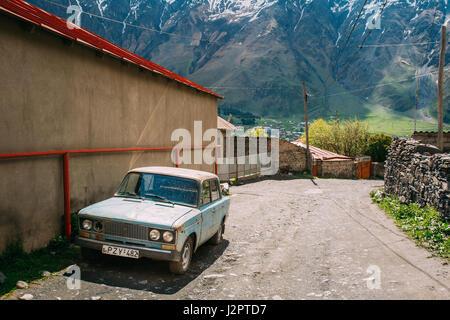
x: 383, y: 120
x: 425, y: 225
x: 17, y: 265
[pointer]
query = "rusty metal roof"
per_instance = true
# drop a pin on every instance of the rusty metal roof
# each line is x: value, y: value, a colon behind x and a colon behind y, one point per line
x: 177, y: 172
x: 224, y: 124
x: 321, y: 154
x: 28, y: 12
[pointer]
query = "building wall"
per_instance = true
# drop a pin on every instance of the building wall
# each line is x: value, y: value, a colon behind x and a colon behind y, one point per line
x: 292, y: 157
x: 431, y: 138
x: 337, y: 169
x: 60, y: 96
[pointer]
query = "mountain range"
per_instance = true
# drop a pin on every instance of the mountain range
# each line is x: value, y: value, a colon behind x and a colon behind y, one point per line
x: 354, y: 56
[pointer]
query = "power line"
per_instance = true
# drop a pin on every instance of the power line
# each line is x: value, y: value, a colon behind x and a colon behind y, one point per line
x: 225, y: 43
x: 346, y: 43
x: 297, y: 87
x: 356, y: 53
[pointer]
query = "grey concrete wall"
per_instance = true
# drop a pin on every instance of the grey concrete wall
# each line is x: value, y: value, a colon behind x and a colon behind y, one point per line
x: 55, y: 96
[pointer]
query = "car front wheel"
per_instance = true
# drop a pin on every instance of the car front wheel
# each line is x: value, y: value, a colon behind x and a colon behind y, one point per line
x: 180, y: 267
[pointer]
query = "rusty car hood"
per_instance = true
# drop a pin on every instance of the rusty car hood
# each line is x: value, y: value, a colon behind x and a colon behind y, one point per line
x: 138, y: 211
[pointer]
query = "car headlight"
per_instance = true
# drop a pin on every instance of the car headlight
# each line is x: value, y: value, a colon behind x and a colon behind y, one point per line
x: 87, y: 224
x: 98, y: 226
x: 154, y: 235
x: 168, y: 236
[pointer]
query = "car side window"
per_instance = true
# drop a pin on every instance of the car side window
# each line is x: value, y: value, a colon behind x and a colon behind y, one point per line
x: 206, y: 193
x: 215, y: 190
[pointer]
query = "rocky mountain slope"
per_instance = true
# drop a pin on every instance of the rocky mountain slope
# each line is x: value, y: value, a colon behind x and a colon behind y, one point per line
x: 257, y: 52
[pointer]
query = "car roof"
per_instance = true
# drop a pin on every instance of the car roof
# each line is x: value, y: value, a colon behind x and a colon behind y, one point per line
x: 177, y: 172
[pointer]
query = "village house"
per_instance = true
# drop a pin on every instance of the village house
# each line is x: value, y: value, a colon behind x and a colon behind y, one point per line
x: 64, y: 88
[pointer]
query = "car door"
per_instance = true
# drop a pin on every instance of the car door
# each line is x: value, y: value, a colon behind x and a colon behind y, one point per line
x: 221, y: 204
x: 209, y: 211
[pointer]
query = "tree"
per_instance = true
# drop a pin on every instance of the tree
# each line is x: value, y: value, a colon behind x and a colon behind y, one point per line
x: 343, y: 137
x: 378, y: 146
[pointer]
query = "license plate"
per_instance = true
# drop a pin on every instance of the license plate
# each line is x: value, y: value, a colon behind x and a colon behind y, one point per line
x: 121, y: 252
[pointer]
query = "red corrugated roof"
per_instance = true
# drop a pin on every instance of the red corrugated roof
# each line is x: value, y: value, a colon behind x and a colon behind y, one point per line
x: 321, y: 154
x: 37, y: 16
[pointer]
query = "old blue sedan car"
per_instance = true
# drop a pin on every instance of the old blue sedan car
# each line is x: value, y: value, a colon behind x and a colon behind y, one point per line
x: 161, y: 213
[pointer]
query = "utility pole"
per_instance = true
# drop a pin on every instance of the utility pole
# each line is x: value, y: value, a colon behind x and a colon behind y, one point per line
x: 417, y: 101
x: 305, y: 101
x: 440, y: 88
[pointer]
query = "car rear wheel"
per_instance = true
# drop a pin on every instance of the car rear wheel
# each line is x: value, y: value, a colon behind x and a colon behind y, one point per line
x: 218, y: 236
x: 180, y: 267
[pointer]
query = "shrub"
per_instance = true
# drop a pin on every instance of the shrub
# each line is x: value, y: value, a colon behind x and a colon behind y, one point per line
x: 378, y: 146
x: 343, y: 137
x: 425, y: 225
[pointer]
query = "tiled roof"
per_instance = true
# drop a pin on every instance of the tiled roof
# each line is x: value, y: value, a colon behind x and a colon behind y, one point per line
x: 28, y: 12
x: 321, y: 154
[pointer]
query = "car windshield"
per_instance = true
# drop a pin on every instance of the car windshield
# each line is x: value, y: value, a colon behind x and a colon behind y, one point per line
x: 159, y: 187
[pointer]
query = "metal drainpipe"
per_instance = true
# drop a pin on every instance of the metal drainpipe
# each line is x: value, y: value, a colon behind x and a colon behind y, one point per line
x: 66, y: 182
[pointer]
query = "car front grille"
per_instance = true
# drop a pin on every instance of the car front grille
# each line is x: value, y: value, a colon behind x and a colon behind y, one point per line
x: 126, y: 230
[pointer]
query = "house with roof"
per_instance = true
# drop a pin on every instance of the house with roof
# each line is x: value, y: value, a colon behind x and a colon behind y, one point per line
x: 66, y: 88
x: 329, y: 164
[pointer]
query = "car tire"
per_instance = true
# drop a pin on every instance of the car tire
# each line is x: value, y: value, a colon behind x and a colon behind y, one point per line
x: 88, y: 253
x: 218, y: 236
x: 182, y: 266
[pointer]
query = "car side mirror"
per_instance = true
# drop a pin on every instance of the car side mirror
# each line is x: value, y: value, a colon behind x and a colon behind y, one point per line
x: 225, y: 187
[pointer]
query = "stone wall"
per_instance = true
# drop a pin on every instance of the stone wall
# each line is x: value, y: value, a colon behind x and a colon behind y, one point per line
x: 292, y: 157
x: 431, y: 138
x: 377, y: 170
x: 417, y: 172
x: 337, y: 169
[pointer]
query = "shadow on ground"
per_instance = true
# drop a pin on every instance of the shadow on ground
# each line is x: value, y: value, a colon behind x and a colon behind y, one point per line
x: 146, y: 274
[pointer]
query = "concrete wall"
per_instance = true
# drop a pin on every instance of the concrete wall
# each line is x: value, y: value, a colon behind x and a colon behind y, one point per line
x: 56, y: 96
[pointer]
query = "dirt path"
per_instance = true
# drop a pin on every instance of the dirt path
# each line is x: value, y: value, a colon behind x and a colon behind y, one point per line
x: 285, y: 239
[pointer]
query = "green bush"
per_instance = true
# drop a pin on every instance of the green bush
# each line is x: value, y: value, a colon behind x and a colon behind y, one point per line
x: 378, y: 146
x: 347, y: 137
x: 425, y: 225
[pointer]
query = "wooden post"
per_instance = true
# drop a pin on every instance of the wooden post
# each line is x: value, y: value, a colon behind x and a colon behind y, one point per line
x: 417, y: 102
x: 440, y: 88
x: 305, y: 101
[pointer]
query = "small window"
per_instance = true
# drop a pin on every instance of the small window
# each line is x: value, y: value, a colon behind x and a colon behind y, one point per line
x: 206, y: 194
x: 215, y: 190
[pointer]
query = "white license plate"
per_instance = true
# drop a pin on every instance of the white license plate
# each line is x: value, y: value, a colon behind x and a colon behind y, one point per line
x: 121, y: 252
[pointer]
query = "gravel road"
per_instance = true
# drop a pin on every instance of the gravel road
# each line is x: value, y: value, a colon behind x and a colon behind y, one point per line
x: 284, y: 239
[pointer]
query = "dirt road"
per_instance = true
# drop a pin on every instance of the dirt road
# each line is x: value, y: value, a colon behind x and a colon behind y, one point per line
x: 284, y: 239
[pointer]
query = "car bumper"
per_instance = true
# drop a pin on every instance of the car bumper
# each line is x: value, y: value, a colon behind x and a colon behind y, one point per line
x: 151, y: 253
